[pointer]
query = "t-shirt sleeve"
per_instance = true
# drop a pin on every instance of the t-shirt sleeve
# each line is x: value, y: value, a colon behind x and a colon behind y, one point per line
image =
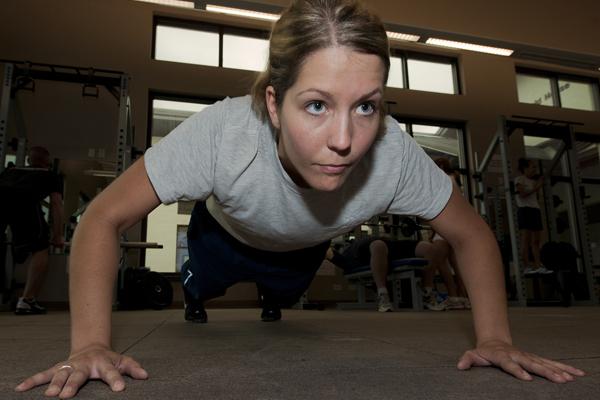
x: 182, y: 164
x: 423, y: 189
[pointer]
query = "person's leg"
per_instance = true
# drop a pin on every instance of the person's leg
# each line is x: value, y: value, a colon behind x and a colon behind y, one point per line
x: 211, y: 267
x: 283, y: 277
x: 379, y: 263
x: 535, y: 248
x: 434, y: 257
x: 441, y: 252
x: 460, y: 285
x: 525, y: 246
x: 31, y: 235
x: 36, y: 274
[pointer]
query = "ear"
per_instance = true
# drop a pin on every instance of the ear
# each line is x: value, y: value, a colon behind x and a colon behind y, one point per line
x: 271, y: 100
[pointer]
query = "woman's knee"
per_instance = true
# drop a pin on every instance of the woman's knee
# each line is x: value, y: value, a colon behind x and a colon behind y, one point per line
x: 378, y: 247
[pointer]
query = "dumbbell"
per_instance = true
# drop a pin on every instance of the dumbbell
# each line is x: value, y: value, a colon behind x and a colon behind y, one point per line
x: 409, y: 226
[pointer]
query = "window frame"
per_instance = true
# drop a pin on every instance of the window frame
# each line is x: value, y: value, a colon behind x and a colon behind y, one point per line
x: 220, y: 29
x: 462, y: 142
x: 405, y: 55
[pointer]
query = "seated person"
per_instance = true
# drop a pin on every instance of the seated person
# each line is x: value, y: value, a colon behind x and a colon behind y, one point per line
x: 457, y: 295
x: 378, y: 252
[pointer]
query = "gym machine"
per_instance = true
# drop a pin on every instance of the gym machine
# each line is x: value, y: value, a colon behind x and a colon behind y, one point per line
x: 503, y: 191
x: 22, y: 75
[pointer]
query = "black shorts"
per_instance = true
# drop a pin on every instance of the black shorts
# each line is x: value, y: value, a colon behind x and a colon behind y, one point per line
x: 359, y: 253
x: 218, y: 260
x: 529, y: 218
x: 30, y: 232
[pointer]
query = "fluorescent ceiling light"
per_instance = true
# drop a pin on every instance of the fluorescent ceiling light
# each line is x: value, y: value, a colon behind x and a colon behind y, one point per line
x: 242, y: 13
x: 174, y: 3
x: 403, y: 36
x: 470, y: 46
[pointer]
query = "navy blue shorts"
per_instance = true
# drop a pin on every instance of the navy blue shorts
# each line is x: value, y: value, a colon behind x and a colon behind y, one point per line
x: 30, y: 232
x: 218, y: 261
x: 529, y: 218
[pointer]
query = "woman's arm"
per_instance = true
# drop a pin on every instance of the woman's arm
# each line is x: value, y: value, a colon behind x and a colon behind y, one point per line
x: 480, y: 265
x: 93, y: 267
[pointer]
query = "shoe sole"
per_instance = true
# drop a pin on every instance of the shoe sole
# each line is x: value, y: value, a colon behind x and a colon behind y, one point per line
x: 270, y: 319
x: 197, y: 321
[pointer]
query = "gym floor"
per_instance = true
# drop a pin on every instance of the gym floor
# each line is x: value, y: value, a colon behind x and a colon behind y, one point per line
x: 311, y: 354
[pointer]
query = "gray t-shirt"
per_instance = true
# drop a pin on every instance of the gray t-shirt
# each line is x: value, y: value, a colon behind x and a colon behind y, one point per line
x: 227, y: 156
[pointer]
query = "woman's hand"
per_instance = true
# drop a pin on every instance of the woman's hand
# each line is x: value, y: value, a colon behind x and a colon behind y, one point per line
x: 94, y: 362
x: 517, y: 363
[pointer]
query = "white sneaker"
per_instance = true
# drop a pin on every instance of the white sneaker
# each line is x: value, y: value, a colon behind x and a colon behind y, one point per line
x: 530, y: 271
x: 383, y: 303
x: 431, y: 303
x: 543, y: 270
x: 454, y: 303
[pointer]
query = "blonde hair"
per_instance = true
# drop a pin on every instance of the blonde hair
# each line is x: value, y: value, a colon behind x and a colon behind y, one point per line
x: 311, y: 25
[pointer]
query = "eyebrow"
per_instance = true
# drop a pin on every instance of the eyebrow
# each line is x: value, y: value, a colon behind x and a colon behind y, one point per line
x: 329, y: 95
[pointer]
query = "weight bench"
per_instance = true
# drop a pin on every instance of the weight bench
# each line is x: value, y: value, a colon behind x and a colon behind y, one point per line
x: 401, y: 270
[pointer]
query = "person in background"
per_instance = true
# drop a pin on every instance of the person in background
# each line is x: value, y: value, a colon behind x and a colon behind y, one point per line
x: 529, y: 216
x: 378, y: 252
x: 22, y: 191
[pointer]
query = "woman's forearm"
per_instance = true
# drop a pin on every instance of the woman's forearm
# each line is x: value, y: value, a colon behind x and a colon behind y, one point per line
x: 93, y: 267
x: 480, y: 266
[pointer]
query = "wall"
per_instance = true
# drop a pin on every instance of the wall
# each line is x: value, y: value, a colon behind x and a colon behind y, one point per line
x: 117, y: 35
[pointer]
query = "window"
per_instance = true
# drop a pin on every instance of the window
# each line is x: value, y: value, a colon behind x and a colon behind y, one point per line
x: 423, y: 72
x: 191, y: 46
x: 578, y: 95
x: 213, y: 45
x: 547, y: 89
x: 535, y: 90
x: 431, y: 76
x: 242, y: 52
x: 167, y: 114
x: 396, y: 75
x: 167, y: 223
x: 440, y: 140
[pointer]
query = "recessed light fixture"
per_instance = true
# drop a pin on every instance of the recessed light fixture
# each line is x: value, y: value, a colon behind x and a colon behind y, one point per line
x: 402, y: 36
x: 174, y: 3
x: 470, y: 46
x: 242, y: 13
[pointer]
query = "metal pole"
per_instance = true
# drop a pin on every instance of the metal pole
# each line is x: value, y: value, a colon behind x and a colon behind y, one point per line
x: 122, y: 156
x: 582, y: 220
x: 21, y: 152
x: 511, y: 211
x: 4, y: 107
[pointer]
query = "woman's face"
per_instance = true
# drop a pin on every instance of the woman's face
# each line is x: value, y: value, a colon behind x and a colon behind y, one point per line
x: 531, y: 169
x: 329, y: 117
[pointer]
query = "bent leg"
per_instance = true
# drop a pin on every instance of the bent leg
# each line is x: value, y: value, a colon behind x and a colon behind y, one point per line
x: 36, y: 274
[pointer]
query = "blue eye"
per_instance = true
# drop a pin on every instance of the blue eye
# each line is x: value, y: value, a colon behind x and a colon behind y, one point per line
x: 366, y: 109
x: 316, y: 108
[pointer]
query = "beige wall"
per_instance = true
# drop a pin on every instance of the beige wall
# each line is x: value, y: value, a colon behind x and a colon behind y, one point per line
x: 117, y: 34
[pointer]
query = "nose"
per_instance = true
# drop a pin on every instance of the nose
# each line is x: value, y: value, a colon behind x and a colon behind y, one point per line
x: 340, y: 134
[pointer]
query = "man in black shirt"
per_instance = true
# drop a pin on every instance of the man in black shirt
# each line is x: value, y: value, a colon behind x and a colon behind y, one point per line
x: 21, y: 193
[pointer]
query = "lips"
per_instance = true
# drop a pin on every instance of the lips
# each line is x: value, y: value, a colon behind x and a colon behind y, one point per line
x: 333, y: 169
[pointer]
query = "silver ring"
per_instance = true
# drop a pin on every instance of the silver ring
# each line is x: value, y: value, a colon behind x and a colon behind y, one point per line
x: 65, y: 366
